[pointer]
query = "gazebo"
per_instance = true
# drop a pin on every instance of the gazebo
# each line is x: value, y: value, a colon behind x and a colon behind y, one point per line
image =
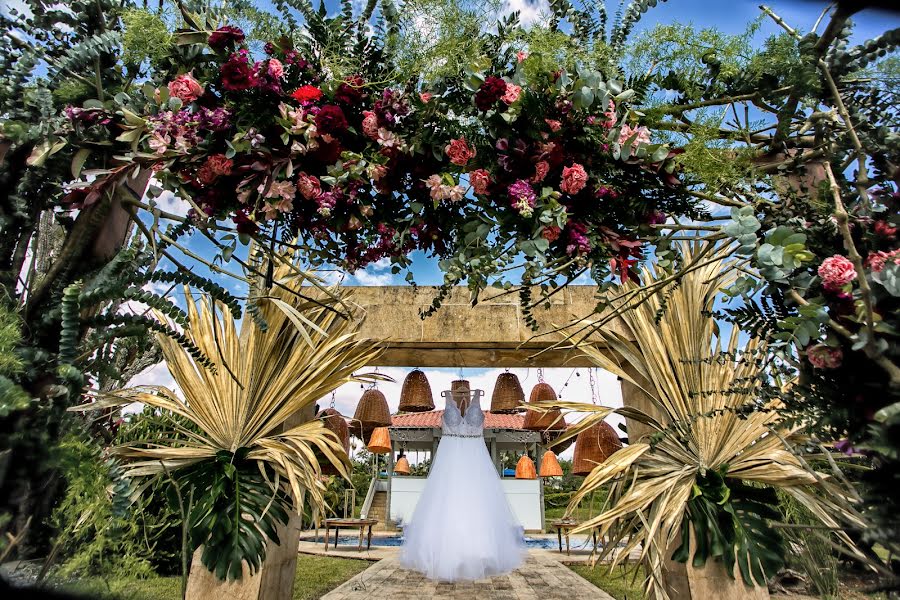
x: 503, y: 433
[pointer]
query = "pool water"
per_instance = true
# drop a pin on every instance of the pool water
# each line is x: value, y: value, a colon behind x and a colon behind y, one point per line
x: 396, y: 540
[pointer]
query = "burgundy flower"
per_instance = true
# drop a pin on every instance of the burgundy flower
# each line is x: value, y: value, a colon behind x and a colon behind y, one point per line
x: 350, y: 92
x: 331, y: 120
x: 489, y: 93
x: 237, y: 74
x: 225, y: 37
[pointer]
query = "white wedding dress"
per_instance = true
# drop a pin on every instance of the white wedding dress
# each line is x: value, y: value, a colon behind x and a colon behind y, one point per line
x: 463, y: 527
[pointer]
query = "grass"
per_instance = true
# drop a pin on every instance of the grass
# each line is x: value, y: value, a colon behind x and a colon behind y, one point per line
x: 316, y: 576
x: 621, y: 584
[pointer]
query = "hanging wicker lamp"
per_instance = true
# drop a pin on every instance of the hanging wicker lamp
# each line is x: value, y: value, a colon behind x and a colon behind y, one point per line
x: 334, y: 422
x: 550, y: 465
x: 402, y: 466
x: 542, y: 421
x: 416, y: 394
x: 525, y: 468
x: 462, y: 393
x: 371, y: 412
x: 593, y: 446
x: 380, y: 442
x: 508, y: 395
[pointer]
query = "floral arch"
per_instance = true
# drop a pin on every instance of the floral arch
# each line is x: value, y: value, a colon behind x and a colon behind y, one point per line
x: 523, y: 157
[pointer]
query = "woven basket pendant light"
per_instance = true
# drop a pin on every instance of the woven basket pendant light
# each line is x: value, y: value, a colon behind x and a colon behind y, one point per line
x: 401, y: 467
x: 416, y: 394
x: 550, y: 465
x: 541, y: 421
x: 593, y: 446
x: 371, y: 412
x: 508, y: 395
x: 525, y: 468
x: 380, y: 442
x: 334, y: 422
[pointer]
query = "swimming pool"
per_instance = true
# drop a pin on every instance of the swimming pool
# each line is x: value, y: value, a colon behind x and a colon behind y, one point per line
x: 396, y: 540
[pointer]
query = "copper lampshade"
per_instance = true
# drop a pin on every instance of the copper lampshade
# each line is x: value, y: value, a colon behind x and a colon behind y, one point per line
x: 550, y: 465
x: 508, y: 395
x: 416, y: 394
x: 525, y: 468
x: 402, y: 466
x: 380, y: 442
x: 593, y: 446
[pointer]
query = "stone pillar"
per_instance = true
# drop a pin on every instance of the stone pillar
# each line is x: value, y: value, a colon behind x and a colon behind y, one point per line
x: 683, y: 581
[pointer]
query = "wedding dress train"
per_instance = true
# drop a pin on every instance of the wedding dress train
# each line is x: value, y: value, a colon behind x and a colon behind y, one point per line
x: 463, y: 527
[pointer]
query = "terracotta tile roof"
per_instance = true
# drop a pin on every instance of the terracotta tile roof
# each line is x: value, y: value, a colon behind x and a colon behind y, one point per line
x: 433, y: 419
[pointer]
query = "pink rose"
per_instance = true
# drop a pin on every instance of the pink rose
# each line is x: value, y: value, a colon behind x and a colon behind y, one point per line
x: 480, y: 180
x: 460, y: 152
x: 554, y: 125
x: 454, y: 193
x: 574, y: 179
x: 822, y: 357
x: 877, y: 260
x: 512, y: 93
x: 276, y: 69
x: 309, y: 186
x: 426, y: 97
x: 185, y: 88
x: 627, y: 132
x: 521, y: 55
x: 836, y: 272
x: 370, y: 125
x: 436, y: 187
x: 541, y: 168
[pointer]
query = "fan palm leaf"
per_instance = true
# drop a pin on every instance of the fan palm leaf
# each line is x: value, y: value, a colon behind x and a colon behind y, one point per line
x: 707, y: 434
x: 238, y: 411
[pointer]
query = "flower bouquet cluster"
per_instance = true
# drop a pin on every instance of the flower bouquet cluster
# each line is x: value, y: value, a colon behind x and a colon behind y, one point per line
x: 478, y: 171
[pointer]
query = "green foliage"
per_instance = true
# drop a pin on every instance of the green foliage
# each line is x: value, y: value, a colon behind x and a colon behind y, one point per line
x: 730, y: 523
x: 146, y: 37
x: 812, y: 553
x: 97, y: 533
x: 234, y: 512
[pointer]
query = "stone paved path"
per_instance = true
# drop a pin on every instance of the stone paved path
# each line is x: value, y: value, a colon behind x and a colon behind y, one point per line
x: 540, y: 578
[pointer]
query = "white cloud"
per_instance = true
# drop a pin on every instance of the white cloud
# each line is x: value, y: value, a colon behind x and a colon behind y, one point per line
x: 531, y: 12
x: 378, y: 273
x: 169, y: 202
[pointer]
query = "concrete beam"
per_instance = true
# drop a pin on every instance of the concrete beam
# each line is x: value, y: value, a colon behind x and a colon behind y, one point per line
x: 492, y: 333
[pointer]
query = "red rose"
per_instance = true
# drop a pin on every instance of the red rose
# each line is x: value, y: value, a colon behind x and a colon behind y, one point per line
x: 460, y: 152
x: 330, y: 120
x: 351, y: 91
x: 237, y: 74
x: 574, y: 179
x: 225, y: 37
x: 480, y: 180
x: 215, y: 166
x: 541, y: 168
x: 885, y: 229
x: 489, y: 93
x: 307, y: 93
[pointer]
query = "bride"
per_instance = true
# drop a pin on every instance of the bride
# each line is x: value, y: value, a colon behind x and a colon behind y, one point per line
x: 462, y: 527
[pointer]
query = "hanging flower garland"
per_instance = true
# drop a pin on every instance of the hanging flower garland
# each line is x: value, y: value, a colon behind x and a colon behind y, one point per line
x: 552, y: 167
